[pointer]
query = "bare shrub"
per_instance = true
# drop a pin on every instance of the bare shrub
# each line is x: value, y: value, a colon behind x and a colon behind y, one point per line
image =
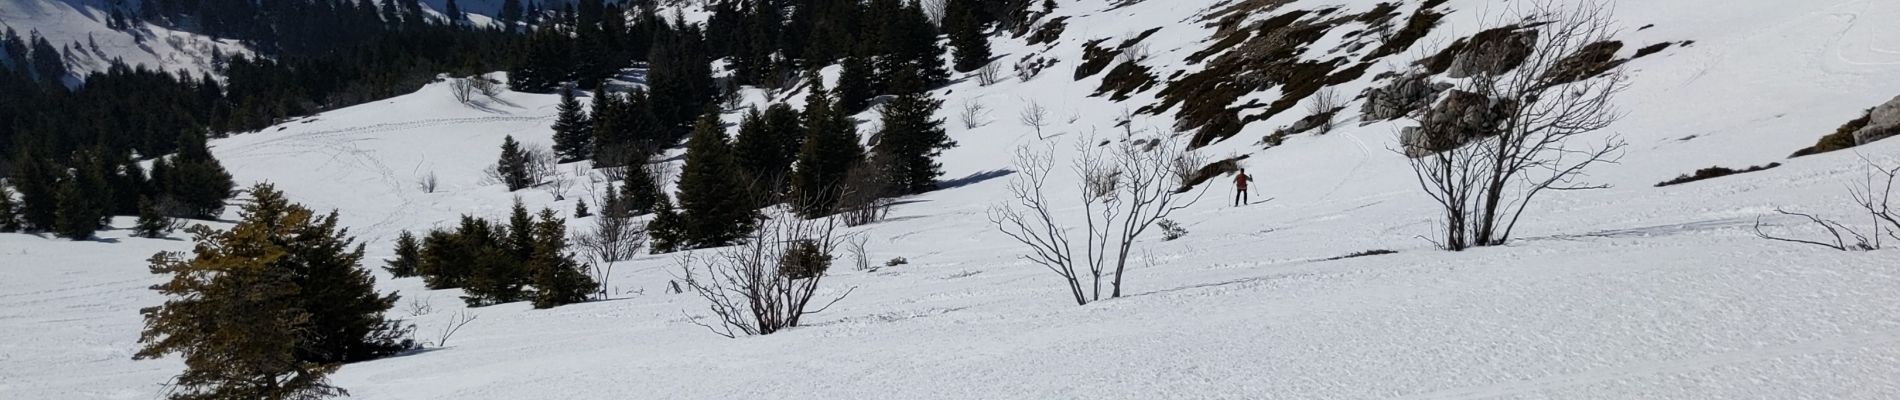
x: 1503, y: 138
x: 427, y: 183
x: 1144, y: 195
x: 974, y: 115
x: 462, y: 89
x: 454, y: 324
x: 989, y: 74
x: 1324, y: 108
x: 615, y: 237
x: 861, y: 258
x: 1034, y: 115
x: 1134, y: 54
x: 748, y: 287
x: 487, y: 87
x: 1874, y: 196
x: 1186, y: 165
x: 866, y: 195
x: 419, y: 306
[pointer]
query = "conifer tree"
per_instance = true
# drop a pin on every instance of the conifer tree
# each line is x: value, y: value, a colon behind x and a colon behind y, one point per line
x: 580, y: 209
x: 713, y: 199
x: 81, y: 199
x: 756, y: 150
x: 38, y: 182
x: 408, y: 256
x: 509, y: 15
x: 573, y: 131
x: 557, y: 278
x: 639, y: 194
x: 454, y: 13
x: 9, y: 217
x: 269, y: 308
x: 854, y: 85
x: 151, y: 224
x: 911, y: 138
x: 667, y: 230
x: 195, y: 179
x: 831, y: 148
x: 963, y: 22
x: 512, y: 168
x: 500, y: 274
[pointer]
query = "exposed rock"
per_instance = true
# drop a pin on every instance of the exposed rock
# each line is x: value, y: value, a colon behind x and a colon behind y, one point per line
x: 1493, y: 51
x: 1461, y: 118
x: 1882, y: 123
x: 1405, y: 94
x: 1588, y: 62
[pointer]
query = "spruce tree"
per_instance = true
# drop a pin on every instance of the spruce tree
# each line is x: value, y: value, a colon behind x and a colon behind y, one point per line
x: 512, y: 167
x: 408, y: 256
x: 509, y: 15
x: 580, y: 208
x: 195, y: 179
x: 714, y: 201
x: 854, y: 85
x: 639, y: 194
x: 573, y: 131
x: 268, y: 308
x: 82, y: 196
x: 963, y: 22
x: 756, y: 150
x: 557, y: 278
x: 911, y: 138
x: 831, y: 148
x: 667, y: 230
x: 151, y: 223
x: 500, y: 275
x: 9, y: 217
x: 37, y: 179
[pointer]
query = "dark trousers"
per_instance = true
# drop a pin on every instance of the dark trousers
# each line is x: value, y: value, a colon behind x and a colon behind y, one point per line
x: 1240, y: 196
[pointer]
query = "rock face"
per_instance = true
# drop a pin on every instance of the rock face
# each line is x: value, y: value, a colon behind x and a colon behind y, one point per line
x: 1405, y: 94
x: 1882, y: 123
x: 1493, y: 52
x: 1461, y: 118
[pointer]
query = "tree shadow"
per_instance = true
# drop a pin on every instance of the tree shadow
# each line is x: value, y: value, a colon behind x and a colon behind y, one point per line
x: 974, y: 178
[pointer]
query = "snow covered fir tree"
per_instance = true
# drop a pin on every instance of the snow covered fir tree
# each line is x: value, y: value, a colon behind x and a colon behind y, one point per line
x: 984, y: 199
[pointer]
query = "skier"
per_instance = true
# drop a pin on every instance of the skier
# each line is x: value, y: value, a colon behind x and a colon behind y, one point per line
x: 1240, y: 187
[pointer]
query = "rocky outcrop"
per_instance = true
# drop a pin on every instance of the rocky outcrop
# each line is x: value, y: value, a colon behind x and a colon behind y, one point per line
x: 1405, y: 94
x: 1883, y: 122
x: 1491, y: 52
x: 1460, y: 118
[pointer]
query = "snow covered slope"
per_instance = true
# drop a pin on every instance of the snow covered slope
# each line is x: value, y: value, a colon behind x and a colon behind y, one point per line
x: 1629, y: 292
x: 66, y: 22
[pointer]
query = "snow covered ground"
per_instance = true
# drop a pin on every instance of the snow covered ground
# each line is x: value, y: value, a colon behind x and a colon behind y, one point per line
x: 65, y: 22
x: 1629, y: 292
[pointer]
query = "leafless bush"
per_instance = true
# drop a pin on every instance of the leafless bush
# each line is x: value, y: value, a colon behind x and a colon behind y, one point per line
x: 866, y: 196
x: 455, y: 324
x: 934, y: 9
x: 1142, y: 197
x: 615, y: 237
x: 419, y: 306
x: 541, y: 167
x: 1034, y: 115
x: 1503, y: 138
x: 974, y: 114
x: 765, y: 285
x: 1074, y: 115
x: 989, y: 74
x: 462, y: 89
x: 1874, y: 196
x: 1325, y: 106
x: 1029, y: 68
x: 1134, y: 54
x: 861, y: 258
x: 487, y: 87
x: 1186, y: 164
x: 427, y: 182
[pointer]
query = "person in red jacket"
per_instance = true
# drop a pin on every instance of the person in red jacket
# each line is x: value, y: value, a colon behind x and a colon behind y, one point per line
x: 1240, y: 187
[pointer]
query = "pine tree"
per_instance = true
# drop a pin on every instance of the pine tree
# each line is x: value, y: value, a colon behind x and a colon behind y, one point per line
x: 667, y: 229
x: 854, y: 85
x: 963, y: 22
x: 509, y: 15
x: 512, y: 168
x: 609, y: 127
x: 81, y: 199
x: 714, y: 201
x: 151, y: 224
x: 756, y: 151
x: 267, y: 309
x: 38, y: 182
x: 580, y: 208
x: 639, y: 194
x: 500, y: 274
x: 911, y: 138
x: 195, y: 179
x: 408, y: 256
x: 454, y: 13
x: 557, y: 278
x: 831, y: 148
x: 9, y: 217
x: 573, y: 131
x: 450, y: 258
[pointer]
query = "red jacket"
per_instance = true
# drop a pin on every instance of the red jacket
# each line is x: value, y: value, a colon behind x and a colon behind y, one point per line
x: 1240, y: 180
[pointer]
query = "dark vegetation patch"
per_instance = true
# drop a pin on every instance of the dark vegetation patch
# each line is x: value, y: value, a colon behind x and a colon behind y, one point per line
x: 1842, y: 137
x: 1652, y: 49
x: 1210, y: 171
x: 1714, y: 172
x: 1095, y: 58
x: 1588, y: 62
x: 1131, y: 42
x: 1367, y: 253
x: 1261, y: 57
x: 1240, y: 10
x: 1416, y: 27
x: 1050, y: 31
x: 1128, y: 77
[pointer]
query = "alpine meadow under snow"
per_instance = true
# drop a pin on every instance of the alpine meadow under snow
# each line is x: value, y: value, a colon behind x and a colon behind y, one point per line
x: 1330, y: 283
